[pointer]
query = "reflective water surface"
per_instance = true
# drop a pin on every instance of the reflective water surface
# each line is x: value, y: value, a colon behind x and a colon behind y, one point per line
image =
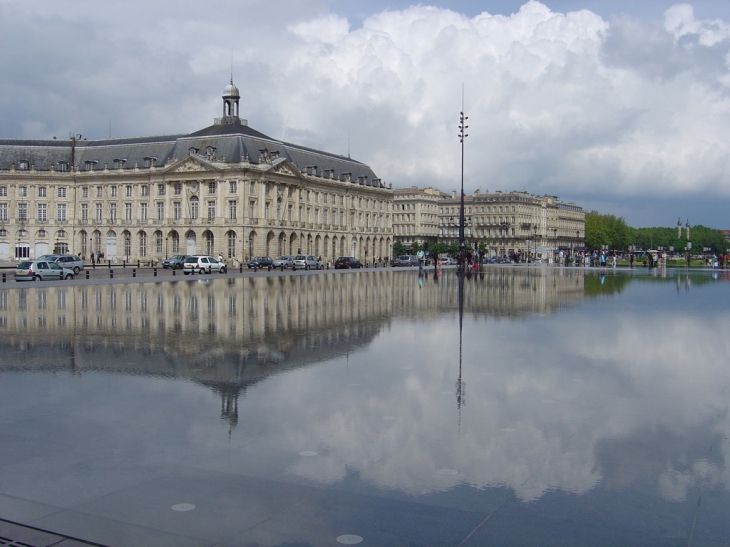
x: 542, y: 406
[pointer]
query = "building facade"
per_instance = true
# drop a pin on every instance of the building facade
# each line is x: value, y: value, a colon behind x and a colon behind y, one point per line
x: 224, y: 189
x: 416, y: 215
x: 517, y: 222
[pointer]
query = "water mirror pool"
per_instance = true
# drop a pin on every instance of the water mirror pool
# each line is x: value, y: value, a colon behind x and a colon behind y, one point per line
x: 517, y: 406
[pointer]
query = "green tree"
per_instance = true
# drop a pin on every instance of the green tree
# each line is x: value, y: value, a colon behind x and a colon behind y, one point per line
x: 607, y: 230
x: 398, y: 248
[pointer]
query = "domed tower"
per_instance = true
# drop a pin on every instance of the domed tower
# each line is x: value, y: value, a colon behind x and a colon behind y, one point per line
x: 230, y: 104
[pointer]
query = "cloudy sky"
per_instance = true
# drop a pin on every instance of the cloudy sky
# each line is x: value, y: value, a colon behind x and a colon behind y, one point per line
x: 620, y: 106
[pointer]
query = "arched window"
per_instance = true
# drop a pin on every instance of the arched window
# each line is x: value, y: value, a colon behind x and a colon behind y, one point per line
x: 175, y: 242
x: 158, y: 243
x: 127, y: 244
x: 209, y: 243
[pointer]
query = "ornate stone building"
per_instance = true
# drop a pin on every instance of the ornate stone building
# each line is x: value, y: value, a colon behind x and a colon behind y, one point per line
x: 514, y: 222
x: 226, y: 188
x: 505, y: 223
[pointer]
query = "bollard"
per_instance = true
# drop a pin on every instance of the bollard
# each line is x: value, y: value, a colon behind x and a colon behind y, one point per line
x: 124, y: 264
x: 155, y: 272
x: 87, y: 274
x: 255, y: 269
x: 269, y: 267
x: 4, y: 278
x: 173, y: 272
x: 111, y: 274
x: 109, y: 264
x: 93, y: 265
x: 138, y: 263
x: 134, y: 272
x: 240, y: 268
x: 282, y: 267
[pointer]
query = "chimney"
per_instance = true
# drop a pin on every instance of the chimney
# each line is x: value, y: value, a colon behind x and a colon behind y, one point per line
x: 453, y: 194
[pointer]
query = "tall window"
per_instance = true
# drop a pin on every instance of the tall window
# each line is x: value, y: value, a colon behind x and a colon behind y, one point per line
x: 113, y: 191
x: 251, y: 207
x: 232, y: 187
x: 4, y: 212
x: 161, y: 189
x: 61, y: 212
x: 142, y: 244
x: 175, y: 243
x: 3, y: 191
x: 267, y: 206
x: 178, y: 188
x: 85, y: 192
x: 232, y: 210
x: 99, y: 192
x: 158, y: 242
x: 160, y: 211
x: 99, y: 212
x: 211, y: 211
x: 211, y: 187
x: 193, y: 208
x: 128, y: 190
x: 22, y: 191
x: 112, y: 212
x: 145, y: 190
x: 176, y: 209
x: 85, y: 212
x: 231, y: 244
x: 42, y: 215
x: 41, y: 191
x: 22, y: 211
x: 127, y: 244
x: 143, y: 212
x: 128, y: 211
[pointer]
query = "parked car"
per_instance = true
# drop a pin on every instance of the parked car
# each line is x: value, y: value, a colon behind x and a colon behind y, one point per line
x: 448, y: 261
x: 175, y: 262
x: 202, y: 263
x: 35, y: 270
x: 72, y: 262
x: 284, y: 260
x: 260, y: 262
x: 307, y: 262
x: 347, y: 262
x: 405, y: 260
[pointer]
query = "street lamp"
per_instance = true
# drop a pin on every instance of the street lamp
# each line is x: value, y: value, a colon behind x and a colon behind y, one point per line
x: 534, y: 241
x: 166, y: 255
x: 555, y: 252
x: 462, y: 137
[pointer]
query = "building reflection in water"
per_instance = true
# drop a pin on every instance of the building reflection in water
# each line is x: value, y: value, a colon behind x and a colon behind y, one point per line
x: 228, y: 334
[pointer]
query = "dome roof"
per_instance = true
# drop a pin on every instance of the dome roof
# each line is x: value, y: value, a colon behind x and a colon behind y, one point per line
x: 231, y: 90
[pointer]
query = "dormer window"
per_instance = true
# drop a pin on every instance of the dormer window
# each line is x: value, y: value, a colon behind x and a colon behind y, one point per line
x: 119, y: 163
x: 90, y: 164
x: 23, y: 165
x: 210, y: 150
x: 63, y: 166
x: 192, y: 151
x: 149, y: 161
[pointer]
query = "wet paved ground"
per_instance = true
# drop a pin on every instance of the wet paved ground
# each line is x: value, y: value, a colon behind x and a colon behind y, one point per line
x: 540, y: 406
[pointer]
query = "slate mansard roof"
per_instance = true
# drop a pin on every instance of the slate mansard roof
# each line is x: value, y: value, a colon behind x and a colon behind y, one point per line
x: 229, y: 143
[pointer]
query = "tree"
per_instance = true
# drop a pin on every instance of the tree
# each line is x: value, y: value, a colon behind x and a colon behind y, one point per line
x: 398, y: 248
x: 607, y: 230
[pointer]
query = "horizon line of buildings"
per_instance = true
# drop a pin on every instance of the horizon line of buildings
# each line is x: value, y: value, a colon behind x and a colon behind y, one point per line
x: 233, y: 190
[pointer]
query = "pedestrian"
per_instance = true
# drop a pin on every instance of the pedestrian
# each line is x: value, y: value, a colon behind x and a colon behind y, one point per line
x: 93, y: 262
x: 220, y: 257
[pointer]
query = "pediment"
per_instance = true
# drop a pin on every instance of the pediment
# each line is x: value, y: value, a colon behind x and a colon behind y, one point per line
x: 283, y: 166
x: 191, y: 164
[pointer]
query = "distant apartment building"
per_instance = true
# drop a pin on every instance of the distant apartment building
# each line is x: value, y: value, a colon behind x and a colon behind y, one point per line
x: 506, y: 223
x: 416, y: 215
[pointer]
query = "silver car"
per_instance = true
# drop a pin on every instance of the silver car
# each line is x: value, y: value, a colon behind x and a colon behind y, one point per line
x: 72, y: 262
x: 306, y: 262
x: 284, y: 260
x: 202, y: 264
x: 41, y: 270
